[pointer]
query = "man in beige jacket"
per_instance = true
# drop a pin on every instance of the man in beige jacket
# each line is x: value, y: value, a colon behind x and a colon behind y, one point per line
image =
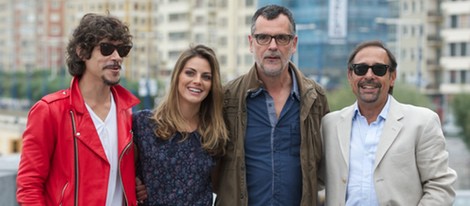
x: 379, y: 151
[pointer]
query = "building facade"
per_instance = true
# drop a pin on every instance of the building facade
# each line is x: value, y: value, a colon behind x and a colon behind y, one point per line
x: 455, y: 60
x: 328, y: 30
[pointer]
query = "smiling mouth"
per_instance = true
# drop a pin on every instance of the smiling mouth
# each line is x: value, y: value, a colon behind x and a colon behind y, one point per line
x: 368, y: 87
x: 195, y: 90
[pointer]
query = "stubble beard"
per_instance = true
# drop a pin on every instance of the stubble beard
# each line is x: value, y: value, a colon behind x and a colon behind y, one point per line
x: 270, y: 71
x: 109, y: 82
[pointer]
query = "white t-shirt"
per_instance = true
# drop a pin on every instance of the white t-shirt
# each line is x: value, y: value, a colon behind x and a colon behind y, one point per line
x: 107, y: 131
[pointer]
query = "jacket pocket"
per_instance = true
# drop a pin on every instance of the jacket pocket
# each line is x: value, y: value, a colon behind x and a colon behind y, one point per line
x: 62, y: 193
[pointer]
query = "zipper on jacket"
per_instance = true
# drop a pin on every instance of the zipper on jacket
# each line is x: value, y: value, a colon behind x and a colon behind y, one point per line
x: 119, y: 165
x: 75, y: 150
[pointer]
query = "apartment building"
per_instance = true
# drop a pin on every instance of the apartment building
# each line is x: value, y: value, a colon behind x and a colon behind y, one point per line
x: 6, y: 36
x: 140, y: 17
x: 433, y: 41
x: 430, y: 37
x: 161, y: 30
x: 455, y: 60
x: 221, y: 24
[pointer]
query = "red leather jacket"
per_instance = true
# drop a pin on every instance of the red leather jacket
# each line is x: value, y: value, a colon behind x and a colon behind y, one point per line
x: 63, y: 162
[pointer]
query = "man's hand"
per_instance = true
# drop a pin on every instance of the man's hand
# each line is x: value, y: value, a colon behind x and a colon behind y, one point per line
x: 141, y: 191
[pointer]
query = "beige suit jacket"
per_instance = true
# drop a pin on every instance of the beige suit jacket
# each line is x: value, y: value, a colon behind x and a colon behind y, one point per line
x: 411, y: 162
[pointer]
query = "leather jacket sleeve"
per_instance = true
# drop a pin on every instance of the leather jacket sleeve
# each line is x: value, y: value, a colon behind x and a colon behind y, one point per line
x: 38, y: 147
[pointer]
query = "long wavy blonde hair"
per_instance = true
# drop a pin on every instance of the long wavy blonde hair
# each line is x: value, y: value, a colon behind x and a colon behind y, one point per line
x: 214, y: 134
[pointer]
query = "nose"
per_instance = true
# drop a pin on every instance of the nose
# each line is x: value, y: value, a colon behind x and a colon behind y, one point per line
x: 197, y: 79
x: 115, y: 55
x: 369, y: 72
x: 273, y: 43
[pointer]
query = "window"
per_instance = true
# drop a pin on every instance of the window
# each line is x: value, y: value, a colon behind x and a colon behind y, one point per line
x: 223, y: 59
x: 452, y: 48
x: 248, y: 20
x: 463, y: 49
x: 200, y: 38
x: 177, y: 17
x: 54, y: 17
x: 199, y: 3
x: 404, y: 30
x: 453, y: 21
x: 174, y: 54
x: 199, y: 20
x: 15, y: 146
x: 223, y: 4
x: 463, y: 76
x: 178, y: 36
x: 452, y: 78
x: 55, y: 4
x: 248, y: 59
x: 223, y: 41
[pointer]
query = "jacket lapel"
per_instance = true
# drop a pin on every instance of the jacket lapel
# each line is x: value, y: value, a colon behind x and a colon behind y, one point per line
x: 343, y: 128
x: 390, y: 131
x: 86, y: 131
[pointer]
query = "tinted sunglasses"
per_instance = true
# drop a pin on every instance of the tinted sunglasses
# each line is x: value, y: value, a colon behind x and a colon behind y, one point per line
x: 377, y: 69
x: 107, y: 49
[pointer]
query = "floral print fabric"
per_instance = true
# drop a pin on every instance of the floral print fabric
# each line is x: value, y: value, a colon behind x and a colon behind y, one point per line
x: 175, y: 172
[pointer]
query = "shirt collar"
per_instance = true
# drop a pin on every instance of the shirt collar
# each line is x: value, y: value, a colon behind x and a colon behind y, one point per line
x: 383, y: 114
x: 294, y: 91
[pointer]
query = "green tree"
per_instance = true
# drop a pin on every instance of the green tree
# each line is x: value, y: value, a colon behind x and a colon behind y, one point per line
x: 37, y: 83
x: 461, y: 105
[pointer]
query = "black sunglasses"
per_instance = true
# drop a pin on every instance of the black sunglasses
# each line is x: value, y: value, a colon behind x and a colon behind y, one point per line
x: 107, y: 49
x: 377, y: 69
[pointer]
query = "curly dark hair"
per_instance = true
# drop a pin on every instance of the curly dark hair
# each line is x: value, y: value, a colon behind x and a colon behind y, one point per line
x: 92, y: 29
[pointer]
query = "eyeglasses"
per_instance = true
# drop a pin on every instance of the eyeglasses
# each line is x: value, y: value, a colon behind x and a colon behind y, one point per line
x: 265, y: 39
x: 362, y: 69
x: 107, y: 49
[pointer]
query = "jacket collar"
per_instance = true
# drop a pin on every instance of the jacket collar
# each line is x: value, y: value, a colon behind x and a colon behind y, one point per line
x: 390, y: 131
x: 308, y: 89
x: 122, y: 97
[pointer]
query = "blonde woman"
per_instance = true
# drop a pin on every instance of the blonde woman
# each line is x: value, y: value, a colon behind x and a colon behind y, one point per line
x: 178, y: 143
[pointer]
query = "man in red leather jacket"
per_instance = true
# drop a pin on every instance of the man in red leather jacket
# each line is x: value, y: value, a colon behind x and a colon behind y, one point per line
x: 77, y: 146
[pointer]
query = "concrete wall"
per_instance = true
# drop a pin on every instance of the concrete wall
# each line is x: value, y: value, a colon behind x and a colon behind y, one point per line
x: 8, y: 188
x: 8, y: 171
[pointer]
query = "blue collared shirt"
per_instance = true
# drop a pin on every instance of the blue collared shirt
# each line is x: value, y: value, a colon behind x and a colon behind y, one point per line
x: 272, y: 149
x: 363, y: 147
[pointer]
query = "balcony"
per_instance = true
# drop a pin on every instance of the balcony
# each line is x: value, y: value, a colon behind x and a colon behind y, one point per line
x: 434, y: 17
x: 434, y: 40
x: 433, y: 65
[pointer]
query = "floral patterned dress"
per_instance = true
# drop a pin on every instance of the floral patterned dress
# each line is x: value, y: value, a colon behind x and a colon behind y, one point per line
x: 174, y: 172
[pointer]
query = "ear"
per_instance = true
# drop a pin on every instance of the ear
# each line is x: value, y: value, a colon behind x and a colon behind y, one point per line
x: 294, y: 43
x: 350, y: 77
x: 77, y: 51
x: 250, y: 40
x: 393, y: 76
x: 350, y: 72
